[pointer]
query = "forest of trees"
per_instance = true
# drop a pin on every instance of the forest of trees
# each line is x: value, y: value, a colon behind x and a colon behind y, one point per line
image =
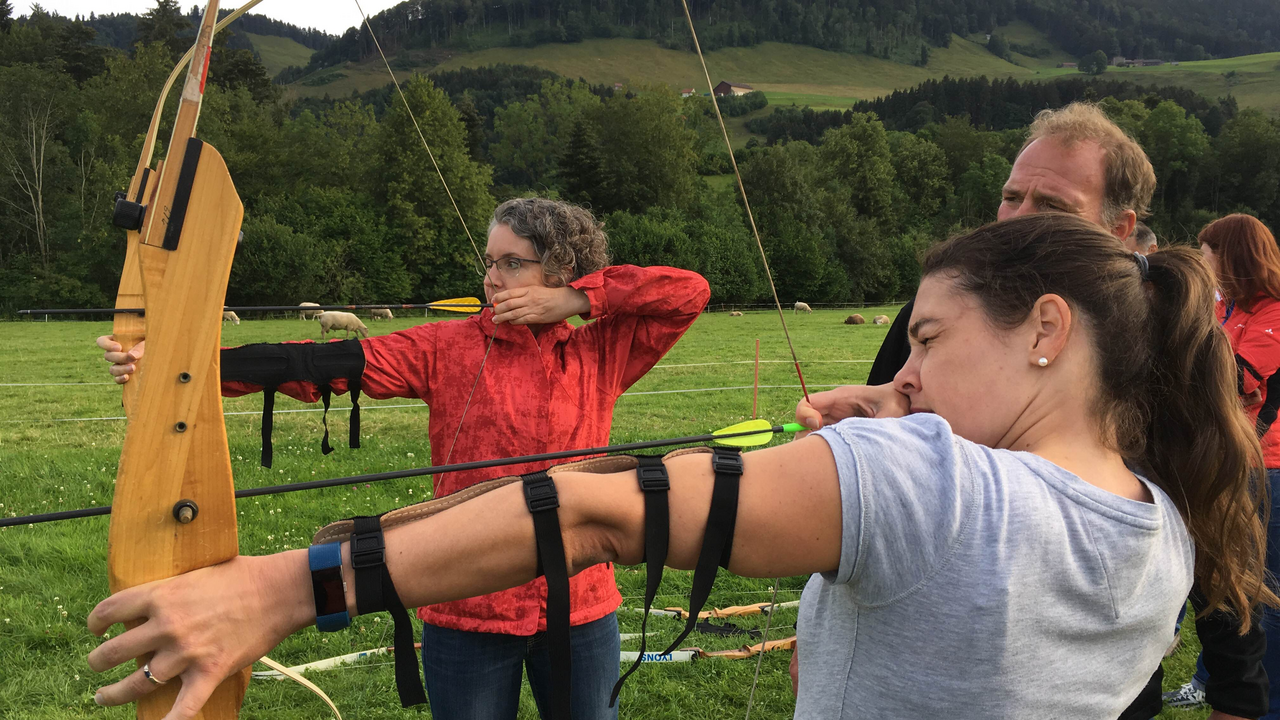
x: 120, y: 30
x: 343, y: 205
x: 892, y: 29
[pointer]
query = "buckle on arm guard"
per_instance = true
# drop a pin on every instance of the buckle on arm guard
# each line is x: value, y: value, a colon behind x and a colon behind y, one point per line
x: 543, y: 501
x: 374, y: 593
x: 655, y: 483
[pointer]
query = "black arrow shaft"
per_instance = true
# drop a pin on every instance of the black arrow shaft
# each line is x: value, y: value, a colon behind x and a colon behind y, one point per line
x: 262, y: 308
x: 413, y: 472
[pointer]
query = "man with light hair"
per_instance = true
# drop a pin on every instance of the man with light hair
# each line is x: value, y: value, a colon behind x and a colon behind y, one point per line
x: 1144, y: 239
x: 1077, y: 161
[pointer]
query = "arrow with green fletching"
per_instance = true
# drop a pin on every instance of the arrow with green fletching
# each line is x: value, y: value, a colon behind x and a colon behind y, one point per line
x: 752, y: 433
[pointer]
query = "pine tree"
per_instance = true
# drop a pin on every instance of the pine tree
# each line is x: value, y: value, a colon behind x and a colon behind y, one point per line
x: 166, y: 24
x: 420, y: 217
x: 581, y: 165
x: 6, y: 13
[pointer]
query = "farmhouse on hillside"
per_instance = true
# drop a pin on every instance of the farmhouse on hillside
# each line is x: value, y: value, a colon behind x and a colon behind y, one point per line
x: 727, y: 88
x: 1122, y: 61
x: 687, y: 92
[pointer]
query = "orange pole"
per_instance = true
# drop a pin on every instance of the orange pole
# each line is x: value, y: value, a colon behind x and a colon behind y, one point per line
x: 755, y: 391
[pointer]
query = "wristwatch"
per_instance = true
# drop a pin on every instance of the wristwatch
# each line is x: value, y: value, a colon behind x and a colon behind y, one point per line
x: 326, y: 583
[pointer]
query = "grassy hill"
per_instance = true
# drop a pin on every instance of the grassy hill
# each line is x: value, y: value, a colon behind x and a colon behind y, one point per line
x: 787, y: 73
x: 819, y: 78
x: 278, y: 53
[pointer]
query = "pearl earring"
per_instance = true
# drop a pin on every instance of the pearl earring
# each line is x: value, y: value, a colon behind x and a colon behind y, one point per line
x: 1043, y: 362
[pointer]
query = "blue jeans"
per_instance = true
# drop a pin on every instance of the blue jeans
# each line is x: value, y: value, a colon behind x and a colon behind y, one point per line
x: 1270, y: 617
x: 476, y: 676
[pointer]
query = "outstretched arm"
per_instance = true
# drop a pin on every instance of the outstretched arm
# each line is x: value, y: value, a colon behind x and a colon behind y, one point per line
x: 207, y: 624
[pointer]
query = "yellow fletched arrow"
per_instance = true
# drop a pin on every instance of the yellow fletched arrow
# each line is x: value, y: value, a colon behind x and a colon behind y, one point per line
x: 458, y: 305
x: 762, y: 437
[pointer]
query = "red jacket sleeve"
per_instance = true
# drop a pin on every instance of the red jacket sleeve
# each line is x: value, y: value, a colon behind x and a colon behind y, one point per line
x: 398, y: 365
x: 642, y: 312
x: 1259, y: 345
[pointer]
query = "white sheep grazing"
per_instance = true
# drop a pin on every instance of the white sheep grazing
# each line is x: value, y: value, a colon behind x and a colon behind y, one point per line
x: 735, y: 313
x: 880, y: 320
x: 381, y: 314
x: 335, y: 321
x: 308, y: 314
x: 228, y: 316
x: 801, y: 306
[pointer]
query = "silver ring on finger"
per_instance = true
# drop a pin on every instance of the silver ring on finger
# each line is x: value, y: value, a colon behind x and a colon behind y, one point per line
x: 146, y: 672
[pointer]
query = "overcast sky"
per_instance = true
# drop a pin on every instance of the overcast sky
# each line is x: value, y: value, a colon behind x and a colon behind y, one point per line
x: 332, y: 16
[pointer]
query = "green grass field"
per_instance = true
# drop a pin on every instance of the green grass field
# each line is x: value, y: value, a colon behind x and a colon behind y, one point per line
x: 1020, y: 32
x: 51, y: 575
x: 278, y: 53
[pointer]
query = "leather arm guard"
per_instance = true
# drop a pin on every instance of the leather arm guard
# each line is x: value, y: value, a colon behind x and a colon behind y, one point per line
x: 543, y: 503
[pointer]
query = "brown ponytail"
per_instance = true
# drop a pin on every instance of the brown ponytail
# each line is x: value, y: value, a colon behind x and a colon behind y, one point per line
x: 1166, y: 400
x: 1201, y: 447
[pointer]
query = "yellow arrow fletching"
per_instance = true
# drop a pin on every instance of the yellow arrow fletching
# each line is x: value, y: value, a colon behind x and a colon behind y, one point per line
x: 761, y: 438
x: 458, y: 305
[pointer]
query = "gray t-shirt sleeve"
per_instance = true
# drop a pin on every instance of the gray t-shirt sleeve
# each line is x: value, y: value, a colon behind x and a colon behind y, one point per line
x: 907, y: 494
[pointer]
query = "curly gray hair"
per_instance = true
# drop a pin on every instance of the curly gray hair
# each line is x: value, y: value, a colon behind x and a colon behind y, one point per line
x: 567, y: 238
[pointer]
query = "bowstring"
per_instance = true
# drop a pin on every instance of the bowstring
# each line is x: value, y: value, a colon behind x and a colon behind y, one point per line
x: 479, y: 259
x: 746, y: 204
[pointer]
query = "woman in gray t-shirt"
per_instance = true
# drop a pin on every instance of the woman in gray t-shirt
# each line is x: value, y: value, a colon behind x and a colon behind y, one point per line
x: 990, y: 555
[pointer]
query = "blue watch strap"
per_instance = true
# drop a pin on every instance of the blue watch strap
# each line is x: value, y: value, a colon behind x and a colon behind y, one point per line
x: 326, y: 584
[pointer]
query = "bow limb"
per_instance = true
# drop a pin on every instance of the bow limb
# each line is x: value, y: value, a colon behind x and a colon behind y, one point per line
x: 174, y: 504
x: 129, y: 329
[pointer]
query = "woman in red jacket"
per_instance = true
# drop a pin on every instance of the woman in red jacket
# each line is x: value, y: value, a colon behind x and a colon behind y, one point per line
x: 1246, y: 262
x: 545, y: 386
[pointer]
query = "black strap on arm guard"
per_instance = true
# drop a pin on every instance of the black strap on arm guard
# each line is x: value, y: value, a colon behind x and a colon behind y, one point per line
x: 1266, y: 413
x: 543, y: 501
x: 1270, y: 406
x: 374, y: 593
x: 273, y: 364
x: 717, y: 540
x: 655, y: 483
x: 1243, y: 365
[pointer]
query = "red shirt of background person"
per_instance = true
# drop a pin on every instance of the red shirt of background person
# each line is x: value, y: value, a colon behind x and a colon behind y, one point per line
x: 545, y: 386
x: 1243, y: 255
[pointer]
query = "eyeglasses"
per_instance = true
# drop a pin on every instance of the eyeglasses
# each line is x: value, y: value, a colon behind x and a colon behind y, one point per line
x: 508, y: 266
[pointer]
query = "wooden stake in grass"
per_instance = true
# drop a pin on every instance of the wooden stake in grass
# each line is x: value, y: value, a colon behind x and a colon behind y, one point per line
x: 755, y: 389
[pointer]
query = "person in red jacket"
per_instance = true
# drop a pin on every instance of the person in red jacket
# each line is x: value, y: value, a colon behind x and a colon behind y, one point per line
x: 545, y: 385
x: 1244, y: 258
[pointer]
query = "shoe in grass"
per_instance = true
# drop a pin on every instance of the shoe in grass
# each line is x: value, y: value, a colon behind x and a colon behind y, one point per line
x: 1187, y: 696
